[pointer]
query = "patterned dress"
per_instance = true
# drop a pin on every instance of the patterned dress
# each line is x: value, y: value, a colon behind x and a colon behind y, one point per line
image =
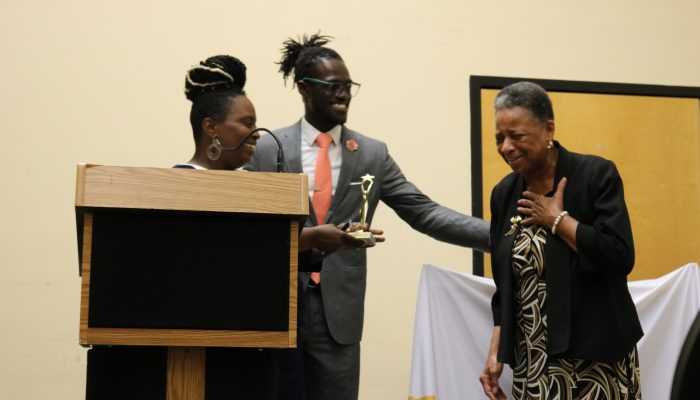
x: 535, y: 376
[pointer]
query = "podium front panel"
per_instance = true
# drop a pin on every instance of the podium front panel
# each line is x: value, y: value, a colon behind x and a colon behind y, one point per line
x: 230, y: 280
x: 173, y: 257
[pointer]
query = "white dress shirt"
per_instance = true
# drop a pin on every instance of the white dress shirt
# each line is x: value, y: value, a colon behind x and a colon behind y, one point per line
x: 309, y: 152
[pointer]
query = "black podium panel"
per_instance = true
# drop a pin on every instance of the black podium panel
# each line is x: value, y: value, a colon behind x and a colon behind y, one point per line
x: 140, y: 373
x: 147, y: 272
x: 125, y: 372
x: 233, y: 373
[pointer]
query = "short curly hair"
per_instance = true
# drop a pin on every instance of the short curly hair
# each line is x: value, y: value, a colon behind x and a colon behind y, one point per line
x: 528, y: 95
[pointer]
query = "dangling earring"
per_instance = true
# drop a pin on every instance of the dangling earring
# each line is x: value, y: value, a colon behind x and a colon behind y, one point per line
x: 549, y: 145
x: 214, y: 149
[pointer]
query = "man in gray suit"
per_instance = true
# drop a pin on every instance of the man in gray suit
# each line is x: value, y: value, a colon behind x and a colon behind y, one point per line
x: 332, y: 308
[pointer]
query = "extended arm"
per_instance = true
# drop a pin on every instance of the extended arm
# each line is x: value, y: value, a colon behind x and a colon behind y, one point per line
x: 427, y: 216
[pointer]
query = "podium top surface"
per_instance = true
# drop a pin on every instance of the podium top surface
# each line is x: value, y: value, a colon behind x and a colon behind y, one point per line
x: 177, y: 189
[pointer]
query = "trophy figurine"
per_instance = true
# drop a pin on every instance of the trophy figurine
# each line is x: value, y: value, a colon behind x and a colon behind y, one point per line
x: 365, y: 185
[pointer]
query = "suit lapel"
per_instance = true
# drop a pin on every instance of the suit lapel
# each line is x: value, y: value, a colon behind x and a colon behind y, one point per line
x: 557, y: 250
x: 507, y: 242
x: 557, y: 256
x: 562, y: 170
x: 291, y: 142
x: 290, y: 138
x: 347, y: 170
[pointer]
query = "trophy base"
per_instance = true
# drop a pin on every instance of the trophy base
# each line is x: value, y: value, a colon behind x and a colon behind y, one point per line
x: 366, y: 237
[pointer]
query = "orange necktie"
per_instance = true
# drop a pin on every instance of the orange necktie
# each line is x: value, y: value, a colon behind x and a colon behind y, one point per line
x: 323, y: 185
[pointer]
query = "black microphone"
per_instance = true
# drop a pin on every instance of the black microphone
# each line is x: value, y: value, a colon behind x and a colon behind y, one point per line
x: 280, y: 152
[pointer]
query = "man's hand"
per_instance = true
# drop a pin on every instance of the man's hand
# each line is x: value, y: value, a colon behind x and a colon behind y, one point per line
x: 356, y: 226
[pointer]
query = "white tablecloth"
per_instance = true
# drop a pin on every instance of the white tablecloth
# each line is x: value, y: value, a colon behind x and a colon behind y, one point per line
x: 453, y: 327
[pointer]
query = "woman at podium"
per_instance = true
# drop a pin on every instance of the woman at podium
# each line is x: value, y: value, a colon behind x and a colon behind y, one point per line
x: 222, y: 118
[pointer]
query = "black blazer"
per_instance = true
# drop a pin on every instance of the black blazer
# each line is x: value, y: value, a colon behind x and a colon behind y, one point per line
x: 590, y: 313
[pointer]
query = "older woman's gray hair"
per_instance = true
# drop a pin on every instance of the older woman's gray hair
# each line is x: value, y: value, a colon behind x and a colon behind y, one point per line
x: 527, y: 95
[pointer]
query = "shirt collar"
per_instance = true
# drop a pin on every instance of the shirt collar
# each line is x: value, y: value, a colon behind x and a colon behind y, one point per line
x: 309, y: 132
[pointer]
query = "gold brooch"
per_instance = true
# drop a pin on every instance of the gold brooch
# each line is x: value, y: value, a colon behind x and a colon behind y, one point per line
x: 515, y: 221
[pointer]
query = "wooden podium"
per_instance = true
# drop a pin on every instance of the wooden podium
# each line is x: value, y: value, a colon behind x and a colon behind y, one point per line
x: 188, y: 259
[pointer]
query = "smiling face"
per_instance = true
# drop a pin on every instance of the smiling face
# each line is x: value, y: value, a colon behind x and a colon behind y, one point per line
x: 238, y: 122
x: 522, y: 140
x: 325, y: 108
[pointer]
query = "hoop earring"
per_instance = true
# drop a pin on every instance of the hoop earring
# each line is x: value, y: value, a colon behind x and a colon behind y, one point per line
x: 549, y: 145
x: 214, y: 149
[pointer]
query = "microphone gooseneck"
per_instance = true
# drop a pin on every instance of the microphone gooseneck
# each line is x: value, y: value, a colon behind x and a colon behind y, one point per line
x: 280, y: 152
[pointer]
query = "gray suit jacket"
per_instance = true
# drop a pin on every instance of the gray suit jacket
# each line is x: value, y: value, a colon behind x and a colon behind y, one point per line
x: 344, y: 273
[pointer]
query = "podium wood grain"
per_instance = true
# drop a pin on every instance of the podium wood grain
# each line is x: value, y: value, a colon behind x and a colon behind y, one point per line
x: 186, y: 373
x: 192, y: 190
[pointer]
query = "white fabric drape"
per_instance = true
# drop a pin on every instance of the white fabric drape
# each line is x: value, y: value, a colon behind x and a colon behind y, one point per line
x: 453, y: 328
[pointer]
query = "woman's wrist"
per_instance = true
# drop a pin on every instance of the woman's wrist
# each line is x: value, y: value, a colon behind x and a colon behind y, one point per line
x: 557, y: 220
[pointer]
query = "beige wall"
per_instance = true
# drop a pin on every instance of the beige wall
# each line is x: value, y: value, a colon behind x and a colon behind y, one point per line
x: 102, y: 83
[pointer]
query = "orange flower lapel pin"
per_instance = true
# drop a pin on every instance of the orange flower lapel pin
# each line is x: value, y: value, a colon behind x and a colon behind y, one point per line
x: 351, y: 145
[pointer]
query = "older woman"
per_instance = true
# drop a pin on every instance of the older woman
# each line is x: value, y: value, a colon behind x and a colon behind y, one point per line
x: 561, y: 246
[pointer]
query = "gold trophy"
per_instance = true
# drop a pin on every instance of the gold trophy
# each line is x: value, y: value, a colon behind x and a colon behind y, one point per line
x: 365, y: 186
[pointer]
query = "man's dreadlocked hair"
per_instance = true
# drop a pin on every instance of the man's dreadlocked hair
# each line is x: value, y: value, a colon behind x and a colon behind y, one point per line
x: 299, y: 55
x: 211, y: 85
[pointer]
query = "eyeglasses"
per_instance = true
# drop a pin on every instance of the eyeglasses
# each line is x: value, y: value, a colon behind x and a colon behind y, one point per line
x: 336, y: 87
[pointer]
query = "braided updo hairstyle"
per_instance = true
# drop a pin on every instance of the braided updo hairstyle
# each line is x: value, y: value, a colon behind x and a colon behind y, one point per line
x: 211, y: 86
x: 299, y: 55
